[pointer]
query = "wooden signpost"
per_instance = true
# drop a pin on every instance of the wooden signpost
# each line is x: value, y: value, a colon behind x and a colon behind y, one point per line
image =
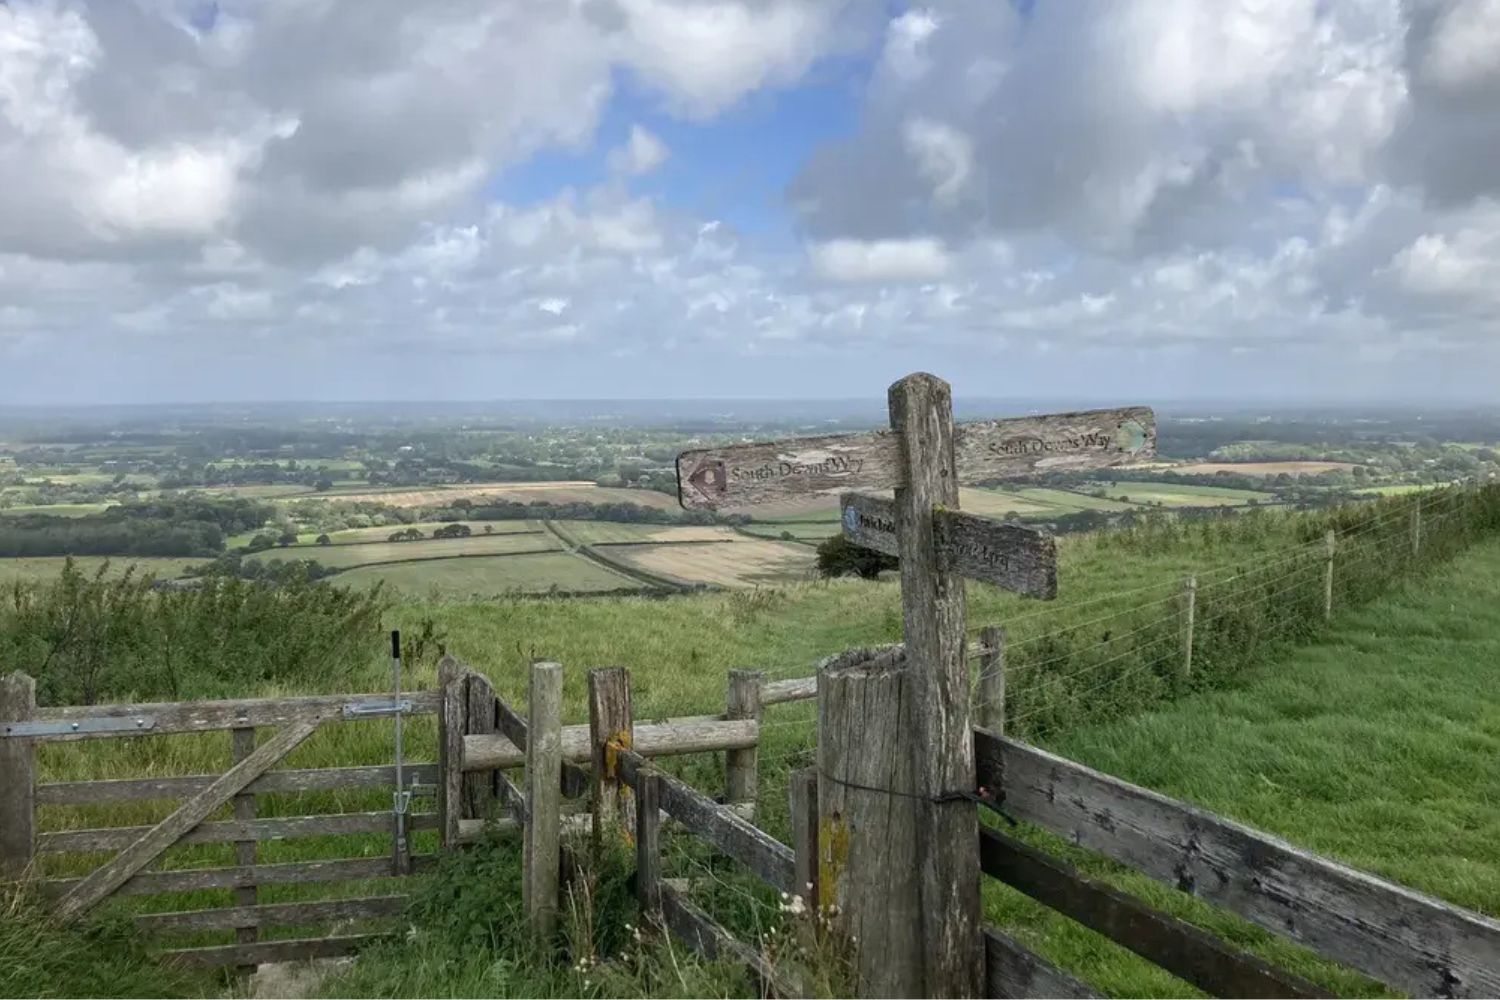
x: 924, y: 457
x: 749, y: 474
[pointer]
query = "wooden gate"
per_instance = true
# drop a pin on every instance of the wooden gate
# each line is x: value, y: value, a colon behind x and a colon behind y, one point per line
x: 133, y: 868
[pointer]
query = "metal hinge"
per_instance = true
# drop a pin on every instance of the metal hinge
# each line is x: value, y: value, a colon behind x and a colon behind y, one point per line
x: 365, y: 709
x: 104, y: 724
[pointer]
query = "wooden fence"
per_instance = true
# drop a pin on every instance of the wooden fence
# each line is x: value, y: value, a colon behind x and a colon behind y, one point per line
x: 853, y: 833
x: 133, y: 849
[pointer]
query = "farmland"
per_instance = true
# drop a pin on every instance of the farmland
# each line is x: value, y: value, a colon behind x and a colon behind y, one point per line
x: 557, y: 493
x: 48, y: 567
x: 1175, y: 495
x: 1299, y: 468
x: 373, y: 553
x: 740, y: 564
x: 489, y: 577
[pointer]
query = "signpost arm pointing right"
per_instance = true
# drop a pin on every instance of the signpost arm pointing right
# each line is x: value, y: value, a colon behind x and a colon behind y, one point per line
x: 933, y: 616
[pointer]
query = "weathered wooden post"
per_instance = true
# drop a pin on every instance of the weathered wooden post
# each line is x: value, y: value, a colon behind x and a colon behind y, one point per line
x: 740, y: 766
x: 610, y: 719
x: 481, y: 788
x: 1330, y: 544
x: 940, y: 736
x: 802, y: 794
x: 543, y: 846
x: 648, y: 843
x: 870, y: 821
x: 1189, y: 617
x: 453, y: 709
x: 17, y: 778
x: 242, y: 745
x: 921, y: 934
x: 991, y: 711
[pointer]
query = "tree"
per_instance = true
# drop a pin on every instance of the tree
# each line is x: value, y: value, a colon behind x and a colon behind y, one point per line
x: 323, y: 485
x: 454, y: 530
x: 837, y: 556
x: 260, y: 543
x: 324, y: 540
x: 287, y: 537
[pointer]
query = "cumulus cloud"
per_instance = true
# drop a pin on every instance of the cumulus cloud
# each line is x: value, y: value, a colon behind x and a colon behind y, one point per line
x: 1154, y: 189
x: 880, y: 260
x: 642, y: 153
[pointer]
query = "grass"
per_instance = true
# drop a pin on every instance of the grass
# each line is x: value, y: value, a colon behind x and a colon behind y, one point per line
x: 29, y: 568
x: 616, y: 533
x: 1375, y: 746
x: 484, y: 577
x: 381, y: 553
x: 679, y: 651
x: 741, y: 564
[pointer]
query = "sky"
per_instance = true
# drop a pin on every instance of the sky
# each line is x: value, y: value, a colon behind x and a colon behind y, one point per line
x: 1113, y: 200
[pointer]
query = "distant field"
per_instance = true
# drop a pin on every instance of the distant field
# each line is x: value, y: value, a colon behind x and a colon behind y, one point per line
x: 43, y: 568
x: 568, y: 492
x: 351, y: 536
x: 1171, y: 495
x: 56, y: 509
x: 813, y: 532
x: 489, y: 576
x: 1397, y: 490
x: 340, y: 556
x: 1263, y: 468
x: 743, y: 564
x: 258, y: 491
x: 612, y: 533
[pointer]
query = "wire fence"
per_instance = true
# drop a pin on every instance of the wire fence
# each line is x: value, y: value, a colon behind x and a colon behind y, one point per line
x: 1117, y: 652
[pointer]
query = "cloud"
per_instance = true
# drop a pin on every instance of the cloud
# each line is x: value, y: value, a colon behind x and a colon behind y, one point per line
x: 917, y: 259
x: 1169, y: 195
x: 641, y: 153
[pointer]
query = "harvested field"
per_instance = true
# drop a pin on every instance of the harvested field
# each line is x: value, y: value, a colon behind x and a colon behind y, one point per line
x: 744, y: 564
x: 1263, y: 468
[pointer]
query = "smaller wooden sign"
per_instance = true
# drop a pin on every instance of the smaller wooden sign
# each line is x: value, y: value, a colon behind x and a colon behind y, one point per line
x: 1011, y: 556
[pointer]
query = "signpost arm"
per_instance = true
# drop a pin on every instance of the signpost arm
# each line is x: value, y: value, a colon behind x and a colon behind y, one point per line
x: 940, y: 737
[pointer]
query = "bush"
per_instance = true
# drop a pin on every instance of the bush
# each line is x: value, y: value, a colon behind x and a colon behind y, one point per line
x: 837, y: 556
x: 88, y: 638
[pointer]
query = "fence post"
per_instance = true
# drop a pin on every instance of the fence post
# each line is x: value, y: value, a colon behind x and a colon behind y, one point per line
x: 1189, y: 615
x: 1416, y: 527
x: 543, y: 799
x: 481, y: 788
x: 742, y: 702
x: 242, y: 745
x: 609, y: 719
x: 17, y: 779
x: 648, y: 843
x: 452, y: 720
x: 991, y: 714
x: 871, y: 821
x: 938, y: 740
x: 1330, y: 544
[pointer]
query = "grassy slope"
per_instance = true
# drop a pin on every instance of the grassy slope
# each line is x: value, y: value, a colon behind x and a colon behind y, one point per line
x: 1378, y: 746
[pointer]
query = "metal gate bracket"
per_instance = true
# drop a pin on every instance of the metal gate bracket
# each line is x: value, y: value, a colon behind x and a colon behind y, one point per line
x: 366, y: 709
x: 103, y: 724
